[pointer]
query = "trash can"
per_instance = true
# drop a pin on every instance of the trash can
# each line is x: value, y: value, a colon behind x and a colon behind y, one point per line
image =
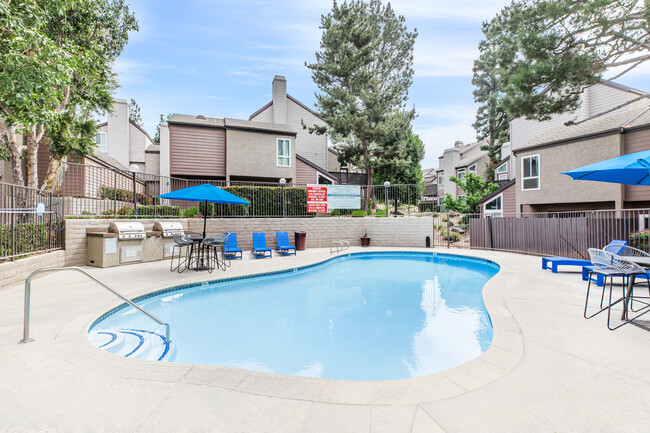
x: 300, y: 240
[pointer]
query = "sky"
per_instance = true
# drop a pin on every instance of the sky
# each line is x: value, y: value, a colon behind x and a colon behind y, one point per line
x: 218, y: 58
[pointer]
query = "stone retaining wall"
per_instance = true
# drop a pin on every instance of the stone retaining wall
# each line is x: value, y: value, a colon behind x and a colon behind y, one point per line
x: 15, y: 272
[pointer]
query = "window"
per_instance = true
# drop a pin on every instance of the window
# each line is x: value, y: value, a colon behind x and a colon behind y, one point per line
x: 322, y: 180
x: 530, y: 173
x: 441, y: 179
x: 284, y: 153
x: 472, y: 168
x: 494, y: 207
x: 460, y: 173
x: 100, y: 140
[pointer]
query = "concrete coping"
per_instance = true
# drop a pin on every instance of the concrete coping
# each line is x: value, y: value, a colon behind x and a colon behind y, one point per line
x: 505, y: 353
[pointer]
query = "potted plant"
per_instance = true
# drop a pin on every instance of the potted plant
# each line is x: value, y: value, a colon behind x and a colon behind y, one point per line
x: 365, y: 239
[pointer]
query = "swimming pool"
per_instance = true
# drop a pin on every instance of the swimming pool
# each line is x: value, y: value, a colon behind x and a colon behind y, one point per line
x: 363, y: 316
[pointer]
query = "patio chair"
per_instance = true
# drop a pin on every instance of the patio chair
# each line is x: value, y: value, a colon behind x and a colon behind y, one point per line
x: 259, y: 246
x: 214, y: 244
x: 282, y: 239
x: 230, y: 248
x: 614, y: 247
x: 181, y: 241
x: 610, y: 266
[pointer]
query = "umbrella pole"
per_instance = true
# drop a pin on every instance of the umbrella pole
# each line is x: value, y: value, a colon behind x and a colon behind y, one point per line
x: 205, y: 218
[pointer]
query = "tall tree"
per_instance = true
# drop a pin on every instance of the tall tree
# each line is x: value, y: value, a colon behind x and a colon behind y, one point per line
x: 562, y: 46
x: 363, y: 72
x: 490, y: 82
x: 400, y: 164
x: 35, y: 75
x: 95, y: 32
x: 156, y: 138
x: 134, y: 112
x: 475, y: 188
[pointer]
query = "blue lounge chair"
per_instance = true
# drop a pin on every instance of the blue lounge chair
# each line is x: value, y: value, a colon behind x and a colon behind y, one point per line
x: 562, y: 261
x: 282, y: 239
x: 259, y: 246
x: 230, y: 248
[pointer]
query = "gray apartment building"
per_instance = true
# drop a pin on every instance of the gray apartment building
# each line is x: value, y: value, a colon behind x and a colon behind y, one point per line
x: 458, y: 161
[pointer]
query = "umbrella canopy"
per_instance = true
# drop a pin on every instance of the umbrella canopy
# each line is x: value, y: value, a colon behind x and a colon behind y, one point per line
x: 632, y: 169
x: 204, y: 193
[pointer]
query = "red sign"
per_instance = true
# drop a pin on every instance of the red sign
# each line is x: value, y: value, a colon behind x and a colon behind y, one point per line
x: 317, y: 198
x: 317, y: 207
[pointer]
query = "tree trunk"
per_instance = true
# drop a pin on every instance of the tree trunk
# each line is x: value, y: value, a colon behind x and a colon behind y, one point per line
x: 53, y: 170
x: 366, y: 160
x: 14, y: 154
x: 33, y: 140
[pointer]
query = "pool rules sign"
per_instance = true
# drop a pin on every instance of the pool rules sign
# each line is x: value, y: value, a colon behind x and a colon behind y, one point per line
x: 326, y: 198
x: 317, y: 198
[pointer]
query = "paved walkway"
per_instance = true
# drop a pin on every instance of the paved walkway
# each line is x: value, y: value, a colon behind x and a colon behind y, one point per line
x: 548, y: 369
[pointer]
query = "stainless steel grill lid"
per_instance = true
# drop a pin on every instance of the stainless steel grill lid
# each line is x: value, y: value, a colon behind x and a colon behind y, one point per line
x: 127, y: 229
x: 168, y: 228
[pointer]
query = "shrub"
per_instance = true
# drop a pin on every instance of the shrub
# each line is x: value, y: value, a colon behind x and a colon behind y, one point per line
x: 125, y: 195
x: 380, y: 213
x: 452, y: 236
x: 190, y: 212
x: 27, y: 237
x: 155, y: 211
x: 640, y: 240
x: 209, y: 210
x: 359, y: 213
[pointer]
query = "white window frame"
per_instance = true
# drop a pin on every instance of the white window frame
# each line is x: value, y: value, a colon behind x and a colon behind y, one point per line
x: 326, y: 177
x: 441, y: 180
x: 539, y: 173
x: 277, y: 153
x: 99, y: 147
x: 472, y: 168
x: 498, y: 169
x: 461, y: 171
x: 493, y: 212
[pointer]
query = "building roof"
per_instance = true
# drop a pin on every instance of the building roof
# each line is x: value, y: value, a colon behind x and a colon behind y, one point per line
x: 601, y: 125
x: 100, y: 125
x: 291, y: 98
x: 152, y: 148
x: 464, y: 164
x: 505, y: 186
x: 235, y: 124
x: 314, y: 166
x: 104, y: 159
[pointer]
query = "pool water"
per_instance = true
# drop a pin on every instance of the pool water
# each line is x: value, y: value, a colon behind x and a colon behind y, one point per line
x: 369, y: 316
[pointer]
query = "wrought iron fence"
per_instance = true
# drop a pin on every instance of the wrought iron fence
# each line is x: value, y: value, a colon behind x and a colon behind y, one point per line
x: 567, y: 234
x: 94, y: 191
x: 25, y: 227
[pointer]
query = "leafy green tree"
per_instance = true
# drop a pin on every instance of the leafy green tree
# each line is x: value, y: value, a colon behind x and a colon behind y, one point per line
x: 134, y: 113
x: 95, y: 32
x: 492, y: 121
x: 363, y: 72
x: 552, y: 49
x: 156, y: 138
x: 34, y: 78
x: 474, y: 188
x: 400, y: 164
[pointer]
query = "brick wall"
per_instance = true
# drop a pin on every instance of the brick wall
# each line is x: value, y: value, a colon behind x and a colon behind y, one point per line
x: 12, y: 273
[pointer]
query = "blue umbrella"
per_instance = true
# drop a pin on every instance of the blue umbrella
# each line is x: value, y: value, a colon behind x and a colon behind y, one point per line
x: 632, y: 169
x: 204, y: 193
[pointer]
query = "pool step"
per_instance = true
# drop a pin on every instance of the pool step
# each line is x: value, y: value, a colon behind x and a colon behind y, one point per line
x: 133, y: 343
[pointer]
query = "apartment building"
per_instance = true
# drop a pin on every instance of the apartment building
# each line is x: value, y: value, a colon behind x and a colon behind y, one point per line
x: 458, y: 161
x: 603, y: 127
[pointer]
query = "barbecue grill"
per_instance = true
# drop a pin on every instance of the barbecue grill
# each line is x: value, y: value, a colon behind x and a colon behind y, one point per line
x: 127, y: 230
x: 168, y: 228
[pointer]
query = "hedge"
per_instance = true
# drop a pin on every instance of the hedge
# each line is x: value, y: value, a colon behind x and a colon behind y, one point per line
x: 28, y: 238
x: 125, y: 195
x: 150, y: 211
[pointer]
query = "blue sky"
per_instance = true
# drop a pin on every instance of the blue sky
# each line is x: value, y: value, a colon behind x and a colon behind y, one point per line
x: 218, y: 58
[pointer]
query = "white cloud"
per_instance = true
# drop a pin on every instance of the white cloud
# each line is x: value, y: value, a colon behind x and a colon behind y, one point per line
x: 436, y: 58
x: 437, y: 138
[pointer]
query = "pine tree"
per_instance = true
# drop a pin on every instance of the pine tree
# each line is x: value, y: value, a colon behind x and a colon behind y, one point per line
x: 134, y: 112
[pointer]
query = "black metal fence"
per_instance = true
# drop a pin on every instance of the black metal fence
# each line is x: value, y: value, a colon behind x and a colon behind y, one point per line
x: 27, y: 227
x: 566, y: 234
x: 93, y: 191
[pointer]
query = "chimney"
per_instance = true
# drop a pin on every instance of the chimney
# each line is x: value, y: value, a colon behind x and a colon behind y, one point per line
x: 279, y: 100
x: 459, y: 143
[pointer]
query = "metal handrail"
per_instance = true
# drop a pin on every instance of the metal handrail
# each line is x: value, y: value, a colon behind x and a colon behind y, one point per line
x: 340, y: 246
x: 28, y: 283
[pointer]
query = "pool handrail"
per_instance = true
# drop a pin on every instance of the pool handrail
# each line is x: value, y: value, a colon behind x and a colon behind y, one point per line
x: 340, y: 246
x: 28, y: 283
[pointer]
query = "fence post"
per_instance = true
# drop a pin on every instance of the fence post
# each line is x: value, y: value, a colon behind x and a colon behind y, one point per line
x: 448, y: 234
x: 135, y: 198
x: 13, y: 222
x: 114, y: 193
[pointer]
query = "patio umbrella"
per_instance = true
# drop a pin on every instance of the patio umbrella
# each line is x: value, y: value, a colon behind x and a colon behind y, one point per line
x: 632, y: 169
x: 204, y: 193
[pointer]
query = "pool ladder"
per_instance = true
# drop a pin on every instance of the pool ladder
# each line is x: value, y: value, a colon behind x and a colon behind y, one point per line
x: 28, y: 283
x: 338, y: 246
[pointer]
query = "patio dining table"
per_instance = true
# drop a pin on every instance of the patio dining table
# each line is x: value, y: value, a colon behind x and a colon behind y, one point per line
x: 643, y: 262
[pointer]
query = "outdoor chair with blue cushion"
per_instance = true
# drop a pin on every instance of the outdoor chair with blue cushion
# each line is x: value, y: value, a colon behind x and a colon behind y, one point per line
x: 259, y: 246
x: 230, y: 248
x: 615, y: 247
x: 282, y: 239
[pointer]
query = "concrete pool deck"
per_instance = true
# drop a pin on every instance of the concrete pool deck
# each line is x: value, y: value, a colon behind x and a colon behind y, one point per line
x: 548, y: 368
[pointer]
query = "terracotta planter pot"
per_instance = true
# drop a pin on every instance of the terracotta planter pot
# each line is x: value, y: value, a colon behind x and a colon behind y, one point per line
x: 365, y: 242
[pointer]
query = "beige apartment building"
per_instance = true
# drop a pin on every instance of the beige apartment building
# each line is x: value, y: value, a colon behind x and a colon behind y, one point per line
x: 458, y: 161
